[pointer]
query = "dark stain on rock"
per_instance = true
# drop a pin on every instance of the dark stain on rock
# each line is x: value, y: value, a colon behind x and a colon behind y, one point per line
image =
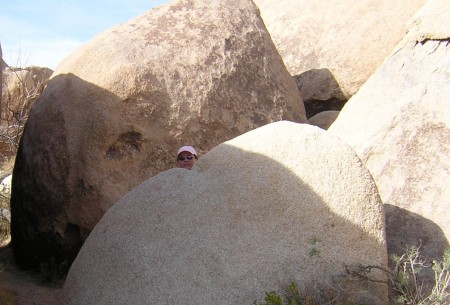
x: 126, y: 144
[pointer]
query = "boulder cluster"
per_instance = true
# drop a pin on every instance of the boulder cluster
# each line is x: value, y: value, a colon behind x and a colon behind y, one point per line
x: 323, y: 133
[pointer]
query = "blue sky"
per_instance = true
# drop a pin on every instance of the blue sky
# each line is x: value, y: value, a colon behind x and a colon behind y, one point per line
x: 44, y: 32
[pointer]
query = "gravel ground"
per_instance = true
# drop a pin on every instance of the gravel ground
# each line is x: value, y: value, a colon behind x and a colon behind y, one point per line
x: 19, y: 287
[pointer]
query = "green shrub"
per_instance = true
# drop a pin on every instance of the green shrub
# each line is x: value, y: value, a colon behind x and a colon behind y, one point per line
x: 292, y: 296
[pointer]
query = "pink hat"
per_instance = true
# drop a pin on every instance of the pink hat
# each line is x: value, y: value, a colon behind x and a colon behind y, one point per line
x: 187, y: 148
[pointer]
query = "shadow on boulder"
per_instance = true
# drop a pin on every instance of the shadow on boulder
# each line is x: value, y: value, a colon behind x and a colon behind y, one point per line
x: 406, y: 229
x: 320, y: 91
x: 50, y: 181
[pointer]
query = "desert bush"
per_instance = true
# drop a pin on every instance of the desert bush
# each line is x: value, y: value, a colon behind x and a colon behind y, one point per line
x: 21, y: 88
x: 5, y: 214
x: 404, y: 278
x: 312, y: 296
x: 5, y: 230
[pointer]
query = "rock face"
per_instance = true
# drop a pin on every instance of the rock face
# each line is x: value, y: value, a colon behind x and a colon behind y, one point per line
x: 324, y: 119
x: 399, y: 124
x: 115, y: 112
x: 349, y: 38
x: 1, y: 76
x: 320, y: 91
x: 285, y: 202
x: 3, y: 64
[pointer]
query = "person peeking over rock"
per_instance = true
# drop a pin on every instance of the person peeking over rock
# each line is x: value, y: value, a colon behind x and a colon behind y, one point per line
x: 186, y: 157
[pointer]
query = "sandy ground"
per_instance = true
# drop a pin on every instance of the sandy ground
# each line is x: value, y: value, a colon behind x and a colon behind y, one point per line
x: 19, y: 287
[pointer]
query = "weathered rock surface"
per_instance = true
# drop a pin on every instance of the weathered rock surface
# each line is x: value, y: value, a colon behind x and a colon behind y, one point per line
x: 399, y: 124
x: 116, y: 110
x: 1, y: 74
x: 349, y: 38
x: 324, y: 119
x: 285, y: 202
x: 3, y: 64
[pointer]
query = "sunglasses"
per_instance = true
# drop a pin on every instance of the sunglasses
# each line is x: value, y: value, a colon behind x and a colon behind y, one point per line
x: 185, y: 158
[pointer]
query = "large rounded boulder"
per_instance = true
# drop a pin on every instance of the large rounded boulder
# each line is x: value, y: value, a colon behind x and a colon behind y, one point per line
x: 116, y: 110
x: 284, y: 202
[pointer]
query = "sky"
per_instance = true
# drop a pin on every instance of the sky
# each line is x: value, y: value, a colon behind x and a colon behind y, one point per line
x: 44, y: 32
